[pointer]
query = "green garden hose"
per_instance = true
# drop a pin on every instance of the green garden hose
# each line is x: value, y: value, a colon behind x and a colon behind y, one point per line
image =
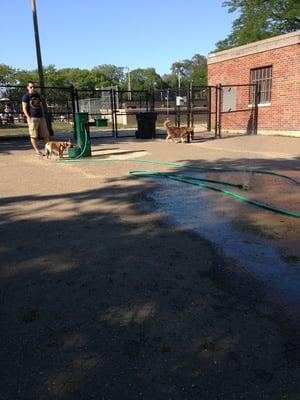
x: 82, y: 151
x: 183, y: 165
x: 198, y: 181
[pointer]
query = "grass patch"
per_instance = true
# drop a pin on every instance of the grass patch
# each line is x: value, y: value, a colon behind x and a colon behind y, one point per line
x: 18, y: 130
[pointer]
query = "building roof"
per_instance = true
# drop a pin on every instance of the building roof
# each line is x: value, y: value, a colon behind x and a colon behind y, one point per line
x: 275, y: 42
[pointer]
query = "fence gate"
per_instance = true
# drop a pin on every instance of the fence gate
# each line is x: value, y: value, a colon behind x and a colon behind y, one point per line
x: 170, y: 104
x: 100, y: 106
x: 201, y: 116
x: 187, y: 106
x: 213, y: 111
x: 237, y: 109
x: 127, y: 105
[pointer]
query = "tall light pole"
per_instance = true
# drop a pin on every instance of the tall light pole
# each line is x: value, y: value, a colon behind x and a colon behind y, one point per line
x: 38, y: 48
x: 178, y: 98
x: 128, y: 82
x: 167, y: 98
x: 39, y: 62
x: 179, y: 72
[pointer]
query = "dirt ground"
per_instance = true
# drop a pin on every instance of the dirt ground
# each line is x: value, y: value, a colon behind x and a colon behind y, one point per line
x: 101, y: 299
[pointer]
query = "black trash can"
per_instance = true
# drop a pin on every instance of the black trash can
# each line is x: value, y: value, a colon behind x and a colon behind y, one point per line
x: 146, y: 122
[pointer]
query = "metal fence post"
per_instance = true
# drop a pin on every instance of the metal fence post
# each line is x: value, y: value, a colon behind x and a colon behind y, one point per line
x: 115, y: 113
x: 208, y: 89
x: 189, y: 104
x: 112, y: 112
x: 216, y: 110
x: 73, y: 108
x: 152, y: 104
x: 77, y: 100
x: 220, y: 111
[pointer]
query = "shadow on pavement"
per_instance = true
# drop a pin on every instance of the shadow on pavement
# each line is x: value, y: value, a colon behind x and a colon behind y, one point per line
x: 112, y: 304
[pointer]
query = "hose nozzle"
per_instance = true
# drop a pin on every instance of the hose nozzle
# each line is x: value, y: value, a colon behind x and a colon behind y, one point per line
x: 246, y: 187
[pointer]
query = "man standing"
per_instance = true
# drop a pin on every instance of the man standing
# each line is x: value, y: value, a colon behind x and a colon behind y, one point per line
x: 34, y: 113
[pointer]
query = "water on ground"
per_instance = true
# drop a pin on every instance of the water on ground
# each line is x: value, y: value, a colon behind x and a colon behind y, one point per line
x: 188, y: 207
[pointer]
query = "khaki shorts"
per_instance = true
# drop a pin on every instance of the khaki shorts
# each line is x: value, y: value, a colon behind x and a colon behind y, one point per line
x: 37, y: 127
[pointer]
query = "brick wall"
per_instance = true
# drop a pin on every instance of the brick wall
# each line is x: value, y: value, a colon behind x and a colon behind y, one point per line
x: 284, y: 112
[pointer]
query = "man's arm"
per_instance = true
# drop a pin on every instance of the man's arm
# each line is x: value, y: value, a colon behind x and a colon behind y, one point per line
x: 24, y: 108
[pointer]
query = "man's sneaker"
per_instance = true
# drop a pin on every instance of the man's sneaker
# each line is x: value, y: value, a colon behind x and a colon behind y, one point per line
x: 39, y: 154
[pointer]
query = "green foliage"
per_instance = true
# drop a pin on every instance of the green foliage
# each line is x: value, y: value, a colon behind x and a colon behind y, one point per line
x: 7, y: 75
x: 194, y: 70
x: 260, y: 19
x: 170, y: 80
x: 145, y: 79
x: 79, y: 78
x: 107, y: 75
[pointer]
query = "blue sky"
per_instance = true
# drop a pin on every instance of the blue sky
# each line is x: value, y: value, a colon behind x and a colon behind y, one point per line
x: 133, y: 33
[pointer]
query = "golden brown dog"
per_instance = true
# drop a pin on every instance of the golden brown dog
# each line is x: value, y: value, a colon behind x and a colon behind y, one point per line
x: 56, y: 147
x: 179, y: 133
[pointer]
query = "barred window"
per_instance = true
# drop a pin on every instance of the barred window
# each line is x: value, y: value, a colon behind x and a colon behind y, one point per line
x: 263, y: 78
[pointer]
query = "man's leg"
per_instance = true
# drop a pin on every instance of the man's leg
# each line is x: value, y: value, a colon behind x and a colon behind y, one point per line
x: 33, y: 132
x: 34, y: 145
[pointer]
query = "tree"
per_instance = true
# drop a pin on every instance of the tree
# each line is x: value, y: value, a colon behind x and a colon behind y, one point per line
x: 193, y: 70
x: 198, y: 70
x: 7, y: 75
x: 170, y: 80
x: 145, y: 79
x: 52, y: 77
x: 107, y: 75
x: 260, y: 19
x: 79, y: 78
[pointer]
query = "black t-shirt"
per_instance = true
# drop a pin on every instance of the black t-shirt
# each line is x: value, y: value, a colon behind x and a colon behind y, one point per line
x: 34, y: 104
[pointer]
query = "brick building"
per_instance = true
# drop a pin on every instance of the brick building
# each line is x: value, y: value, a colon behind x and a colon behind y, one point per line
x: 274, y: 65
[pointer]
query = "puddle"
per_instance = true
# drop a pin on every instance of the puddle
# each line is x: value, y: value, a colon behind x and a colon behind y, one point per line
x: 188, y: 207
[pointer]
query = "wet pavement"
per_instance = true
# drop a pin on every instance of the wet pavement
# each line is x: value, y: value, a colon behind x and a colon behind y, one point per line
x: 190, y: 208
